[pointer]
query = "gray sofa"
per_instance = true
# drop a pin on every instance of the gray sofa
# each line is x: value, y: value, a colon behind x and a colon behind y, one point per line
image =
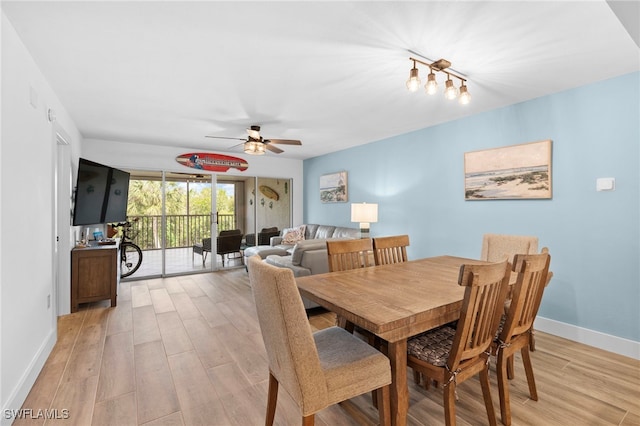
x: 295, y: 256
x: 307, y: 257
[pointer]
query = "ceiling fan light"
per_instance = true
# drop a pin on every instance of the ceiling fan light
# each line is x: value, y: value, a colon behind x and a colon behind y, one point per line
x: 465, y: 97
x: 450, y: 91
x: 254, y: 148
x: 432, y: 85
x: 413, y: 83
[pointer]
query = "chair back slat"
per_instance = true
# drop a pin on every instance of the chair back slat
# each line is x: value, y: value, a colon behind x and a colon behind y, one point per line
x: 532, y: 276
x: 388, y: 250
x: 485, y: 292
x: 349, y: 254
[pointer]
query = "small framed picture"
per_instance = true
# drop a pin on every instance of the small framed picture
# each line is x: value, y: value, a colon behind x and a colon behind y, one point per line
x: 333, y: 188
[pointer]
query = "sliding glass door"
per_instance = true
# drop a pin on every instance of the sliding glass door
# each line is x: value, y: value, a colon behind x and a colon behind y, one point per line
x: 181, y: 222
x: 189, y: 239
x: 171, y: 221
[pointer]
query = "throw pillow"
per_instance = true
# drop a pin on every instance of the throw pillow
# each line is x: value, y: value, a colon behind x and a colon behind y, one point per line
x: 293, y: 235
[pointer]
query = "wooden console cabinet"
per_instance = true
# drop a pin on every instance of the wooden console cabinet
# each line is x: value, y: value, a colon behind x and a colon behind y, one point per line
x: 94, y: 275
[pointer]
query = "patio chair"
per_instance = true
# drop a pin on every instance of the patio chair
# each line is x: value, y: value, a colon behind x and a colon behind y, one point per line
x: 229, y: 242
x: 264, y: 237
x: 202, y: 249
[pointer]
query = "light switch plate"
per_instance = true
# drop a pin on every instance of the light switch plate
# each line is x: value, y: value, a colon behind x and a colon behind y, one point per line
x: 605, y: 184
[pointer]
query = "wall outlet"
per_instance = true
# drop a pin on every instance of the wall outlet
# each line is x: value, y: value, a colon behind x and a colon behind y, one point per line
x: 33, y: 97
x: 605, y: 184
x: 48, y: 301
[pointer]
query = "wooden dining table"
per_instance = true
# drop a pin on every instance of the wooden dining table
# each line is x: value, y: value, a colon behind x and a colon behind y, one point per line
x: 395, y: 302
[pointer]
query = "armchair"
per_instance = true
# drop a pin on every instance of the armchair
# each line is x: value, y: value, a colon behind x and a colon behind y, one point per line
x: 202, y: 249
x: 229, y: 242
x: 264, y: 237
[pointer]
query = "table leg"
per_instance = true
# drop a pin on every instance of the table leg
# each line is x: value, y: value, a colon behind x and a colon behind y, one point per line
x: 397, y: 353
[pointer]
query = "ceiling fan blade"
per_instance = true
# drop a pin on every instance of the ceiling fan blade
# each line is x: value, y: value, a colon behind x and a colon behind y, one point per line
x: 222, y: 137
x: 273, y: 148
x: 284, y: 141
x: 235, y: 146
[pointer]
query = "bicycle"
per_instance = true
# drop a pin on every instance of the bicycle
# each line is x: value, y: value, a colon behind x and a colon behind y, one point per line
x: 130, y: 253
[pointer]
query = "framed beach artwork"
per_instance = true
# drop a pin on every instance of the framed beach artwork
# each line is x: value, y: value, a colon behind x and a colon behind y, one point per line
x: 333, y: 188
x: 513, y: 172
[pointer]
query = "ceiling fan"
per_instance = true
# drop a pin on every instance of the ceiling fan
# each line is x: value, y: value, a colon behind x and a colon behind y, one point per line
x: 256, y: 144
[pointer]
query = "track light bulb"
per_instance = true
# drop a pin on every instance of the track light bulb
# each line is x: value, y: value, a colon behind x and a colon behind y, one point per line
x: 450, y: 91
x: 465, y: 97
x: 413, y: 83
x: 432, y: 85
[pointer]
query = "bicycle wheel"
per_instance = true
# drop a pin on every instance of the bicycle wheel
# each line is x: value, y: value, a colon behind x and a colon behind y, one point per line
x: 130, y: 259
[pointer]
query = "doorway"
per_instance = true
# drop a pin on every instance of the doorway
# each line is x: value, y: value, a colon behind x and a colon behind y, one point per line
x: 177, y: 218
x: 170, y: 213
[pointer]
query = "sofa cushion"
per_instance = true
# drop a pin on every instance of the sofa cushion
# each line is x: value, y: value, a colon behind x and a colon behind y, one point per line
x: 310, y: 232
x: 324, y: 231
x: 285, y: 262
x: 342, y: 232
x: 264, y: 251
x: 302, y: 246
x: 293, y: 235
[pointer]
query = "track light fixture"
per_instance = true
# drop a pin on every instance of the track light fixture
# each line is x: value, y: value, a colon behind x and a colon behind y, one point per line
x: 441, y: 65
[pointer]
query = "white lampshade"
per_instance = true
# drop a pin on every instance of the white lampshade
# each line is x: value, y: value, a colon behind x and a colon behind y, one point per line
x: 364, y: 213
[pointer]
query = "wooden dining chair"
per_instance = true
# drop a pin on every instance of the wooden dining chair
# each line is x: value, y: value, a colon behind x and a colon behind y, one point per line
x: 452, y: 355
x: 516, y: 325
x: 387, y: 250
x: 532, y: 340
x: 349, y: 254
x: 317, y: 369
x: 344, y: 255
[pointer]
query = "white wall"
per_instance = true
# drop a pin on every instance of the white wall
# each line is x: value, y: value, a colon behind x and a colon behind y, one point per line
x: 27, y: 158
x: 148, y: 157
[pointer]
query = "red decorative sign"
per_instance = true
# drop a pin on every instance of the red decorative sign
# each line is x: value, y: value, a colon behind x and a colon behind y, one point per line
x: 212, y: 162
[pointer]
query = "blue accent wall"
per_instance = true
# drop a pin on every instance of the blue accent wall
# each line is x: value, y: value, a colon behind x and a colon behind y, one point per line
x: 417, y: 179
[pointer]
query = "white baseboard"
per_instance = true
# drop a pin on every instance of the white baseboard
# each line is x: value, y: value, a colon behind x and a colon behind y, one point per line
x: 20, y: 392
x: 596, y: 339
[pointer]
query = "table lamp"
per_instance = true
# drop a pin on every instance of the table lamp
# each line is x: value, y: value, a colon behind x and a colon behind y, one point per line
x: 365, y: 214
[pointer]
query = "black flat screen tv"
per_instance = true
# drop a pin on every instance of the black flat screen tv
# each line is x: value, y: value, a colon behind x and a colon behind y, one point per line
x: 101, y: 194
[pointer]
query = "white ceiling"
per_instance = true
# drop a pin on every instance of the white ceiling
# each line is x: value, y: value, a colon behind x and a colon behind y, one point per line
x: 331, y: 74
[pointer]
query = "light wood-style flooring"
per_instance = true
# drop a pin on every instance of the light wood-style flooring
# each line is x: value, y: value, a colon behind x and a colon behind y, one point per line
x: 188, y: 351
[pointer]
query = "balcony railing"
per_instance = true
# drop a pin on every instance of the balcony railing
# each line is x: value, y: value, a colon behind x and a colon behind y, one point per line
x: 182, y: 230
